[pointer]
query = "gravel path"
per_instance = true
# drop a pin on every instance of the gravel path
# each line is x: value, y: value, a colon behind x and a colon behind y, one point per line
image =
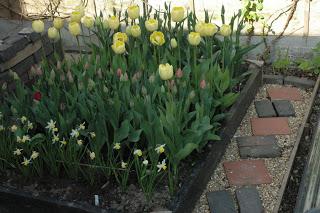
x: 276, y: 166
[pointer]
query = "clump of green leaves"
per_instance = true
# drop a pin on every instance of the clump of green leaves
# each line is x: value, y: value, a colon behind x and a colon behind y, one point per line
x: 311, y: 65
x: 250, y: 12
x: 282, y: 62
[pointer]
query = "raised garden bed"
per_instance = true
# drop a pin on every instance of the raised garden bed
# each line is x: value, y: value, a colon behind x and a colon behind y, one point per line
x: 191, y: 187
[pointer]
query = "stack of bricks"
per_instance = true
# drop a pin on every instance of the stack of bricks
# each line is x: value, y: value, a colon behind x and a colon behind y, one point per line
x: 20, y: 50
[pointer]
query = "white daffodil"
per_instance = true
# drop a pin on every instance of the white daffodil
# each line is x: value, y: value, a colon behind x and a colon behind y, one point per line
x: 145, y: 162
x: 117, y: 146
x: 17, y: 152
x: 160, y: 149
x: 138, y: 152
x: 162, y: 165
x: 25, y: 161
x: 34, y: 155
x: 25, y: 138
x: 51, y: 125
x: 123, y: 165
x: 55, y: 138
x: 29, y: 125
x: 82, y: 126
x: 23, y: 119
x: 74, y: 133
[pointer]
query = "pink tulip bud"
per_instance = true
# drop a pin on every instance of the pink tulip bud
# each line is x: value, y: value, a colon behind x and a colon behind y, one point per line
x: 59, y: 65
x: 179, y: 73
x: 202, y: 84
x: 119, y: 72
x: 99, y: 73
x: 38, y: 71
x: 86, y: 66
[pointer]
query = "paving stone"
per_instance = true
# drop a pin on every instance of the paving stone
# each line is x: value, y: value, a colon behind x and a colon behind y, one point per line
x: 284, y: 93
x: 273, y: 79
x: 258, y: 147
x: 265, y: 109
x: 299, y: 82
x: 313, y: 211
x: 284, y: 108
x: 246, y: 172
x: 270, y: 126
x: 249, y: 200
x: 221, y: 201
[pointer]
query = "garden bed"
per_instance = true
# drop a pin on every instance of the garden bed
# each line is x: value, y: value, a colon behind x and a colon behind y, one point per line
x: 193, y: 181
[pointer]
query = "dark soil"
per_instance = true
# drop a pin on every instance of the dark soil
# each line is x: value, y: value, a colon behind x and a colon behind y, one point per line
x: 291, y: 192
x: 291, y: 71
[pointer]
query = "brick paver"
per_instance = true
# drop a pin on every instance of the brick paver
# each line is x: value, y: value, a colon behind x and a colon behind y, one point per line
x: 270, y: 126
x: 284, y: 93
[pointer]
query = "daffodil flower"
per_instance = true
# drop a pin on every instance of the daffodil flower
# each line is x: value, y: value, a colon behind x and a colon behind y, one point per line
x: 123, y: 165
x: 23, y: 119
x: 80, y: 142
x: 145, y: 162
x: 34, y: 155
x: 74, y: 133
x: 13, y: 128
x: 25, y: 138
x: 160, y: 149
x: 92, y: 134
x: 17, y: 152
x: 162, y: 165
x: 117, y: 146
x: 55, y: 138
x: 51, y: 125
x: 92, y: 155
x: 25, y: 161
x: 29, y: 125
x: 82, y: 126
x: 63, y: 142
x: 138, y: 152
x: 19, y: 140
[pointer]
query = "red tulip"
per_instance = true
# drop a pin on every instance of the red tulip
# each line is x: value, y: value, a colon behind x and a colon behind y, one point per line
x: 37, y: 96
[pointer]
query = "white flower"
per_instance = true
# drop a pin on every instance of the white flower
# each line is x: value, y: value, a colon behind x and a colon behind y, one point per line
x: 34, y: 155
x: 63, y: 142
x: 82, y: 126
x: 19, y: 140
x: 1, y: 128
x: 80, y: 142
x: 29, y: 125
x: 138, y: 152
x: 145, y: 162
x: 160, y: 149
x: 74, y: 133
x: 117, y: 146
x: 55, y: 138
x: 25, y: 138
x: 13, y: 128
x: 92, y: 134
x: 162, y: 165
x: 17, y: 152
x: 26, y: 161
x: 92, y: 155
x: 51, y: 125
x: 23, y: 119
x: 123, y: 165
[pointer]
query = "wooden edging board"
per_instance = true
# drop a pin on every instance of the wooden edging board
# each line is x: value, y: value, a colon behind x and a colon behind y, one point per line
x: 300, y: 135
x: 192, y: 187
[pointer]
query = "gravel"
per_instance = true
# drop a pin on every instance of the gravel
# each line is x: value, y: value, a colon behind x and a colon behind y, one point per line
x: 276, y: 166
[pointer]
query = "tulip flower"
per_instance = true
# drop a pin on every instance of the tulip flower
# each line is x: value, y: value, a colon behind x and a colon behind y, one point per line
x: 177, y: 14
x: 133, y: 11
x: 157, y: 38
x: 151, y: 24
x: 38, y: 26
x: 165, y: 71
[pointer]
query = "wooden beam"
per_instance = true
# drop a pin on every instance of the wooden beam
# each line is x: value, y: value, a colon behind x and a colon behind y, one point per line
x: 306, y: 17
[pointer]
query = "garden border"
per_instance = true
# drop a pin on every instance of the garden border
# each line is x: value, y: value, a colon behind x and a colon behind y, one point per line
x: 192, y: 188
x: 302, y: 132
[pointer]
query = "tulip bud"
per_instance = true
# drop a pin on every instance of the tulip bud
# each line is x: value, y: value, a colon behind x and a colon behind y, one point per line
x: 59, y: 66
x: 152, y: 78
x: 91, y: 85
x: 179, y: 73
x: 38, y: 26
x: 119, y: 72
x: 53, y: 33
x: 80, y: 85
x: 62, y: 106
x: 124, y: 77
x: 39, y: 71
x: 133, y: 11
x: 173, y: 43
x: 58, y: 23
x: 144, y: 91
x: 192, y: 94
x: 202, y: 84
x: 86, y: 66
x: 13, y: 110
x: 62, y: 77
x: 162, y: 89
x: 131, y: 103
x: 32, y: 71
x: 69, y: 76
x: 99, y: 73
x: 105, y: 89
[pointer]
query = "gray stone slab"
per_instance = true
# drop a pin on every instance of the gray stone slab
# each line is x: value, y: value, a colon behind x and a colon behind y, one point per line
x: 283, y: 108
x: 273, y: 79
x: 221, y: 201
x: 299, y: 82
x: 258, y: 147
x: 265, y: 109
x: 249, y: 200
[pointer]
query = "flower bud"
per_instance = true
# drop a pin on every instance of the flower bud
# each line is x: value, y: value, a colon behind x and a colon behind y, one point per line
x: 194, y: 38
x: 192, y: 94
x: 105, y: 89
x: 119, y: 72
x: 202, y: 84
x: 173, y: 43
x: 179, y: 73
x: 53, y: 33
x: 225, y: 30
x: 38, y: 26
x: 70, y: 77
x: 162, y: 89
x: 99, y: 73
x: 133, y: 11
x: 58, y: 23
x: 91, y: 85
x: 152, y: 78
x: 124, y: 77
x: 144, y: 91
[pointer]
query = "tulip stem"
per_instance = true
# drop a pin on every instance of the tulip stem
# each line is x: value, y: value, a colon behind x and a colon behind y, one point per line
x: 79, y: 48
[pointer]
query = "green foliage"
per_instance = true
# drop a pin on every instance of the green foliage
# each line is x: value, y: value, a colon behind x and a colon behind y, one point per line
x: 313, y: 64
x: 250, y: 12
x: 282, y: 62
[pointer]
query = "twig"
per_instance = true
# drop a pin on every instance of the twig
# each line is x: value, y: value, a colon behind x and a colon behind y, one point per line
x: 13, y: 11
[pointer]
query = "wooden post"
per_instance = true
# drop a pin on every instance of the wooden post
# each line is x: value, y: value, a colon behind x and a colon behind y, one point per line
x: 306, y: 18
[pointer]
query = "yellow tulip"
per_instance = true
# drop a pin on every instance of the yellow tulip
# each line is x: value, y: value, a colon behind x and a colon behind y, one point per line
x: 165, y: 71
x: 206, y: 29
x: 38, y: 26
x: 88, y: 21
x: 173, y: 43
x: 113, y: 22
x: 74, y: 28
x: 177, y: 14
x: 119, y: 36
x: 118, y: 47
x: 157, y: 38
x: 58, y: 23
x: 194, y: 38
x: 133, y: 11
x: 80, y: 8
x: 75, y: 16
x: 225, y: 30
x: 53, y: 33
x: 151, y: 24
x: 135, y: 31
